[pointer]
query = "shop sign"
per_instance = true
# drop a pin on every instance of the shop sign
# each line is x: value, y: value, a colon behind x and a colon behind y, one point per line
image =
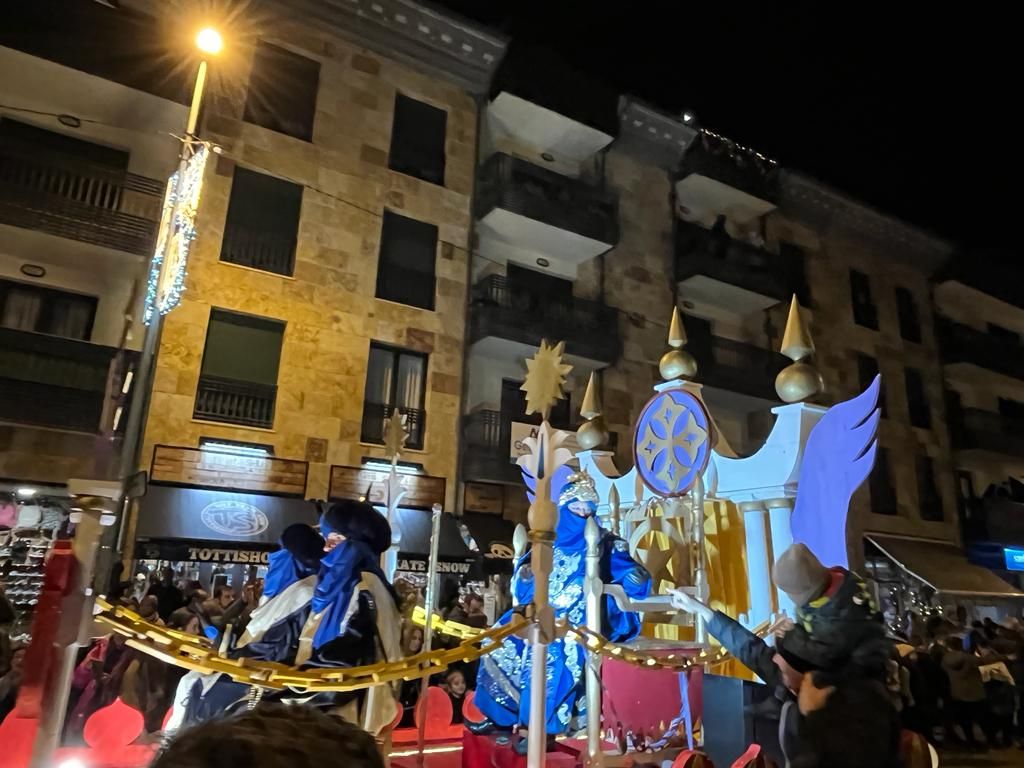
x: 231, y: 517
x: 520, y: 432
x: 199, y: 552
x: 206, y: 555
x: 420, y: 566
x: 1014, y: 559
x: 421, y: 491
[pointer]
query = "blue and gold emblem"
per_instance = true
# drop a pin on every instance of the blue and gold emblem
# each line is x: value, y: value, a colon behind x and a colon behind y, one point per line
x: 672, y: 445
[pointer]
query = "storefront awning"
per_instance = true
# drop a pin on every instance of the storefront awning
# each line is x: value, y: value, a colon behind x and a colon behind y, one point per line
x: 248, y: 521
x: 943, y: 567
x: 414, y: 550
x: 493, y: 537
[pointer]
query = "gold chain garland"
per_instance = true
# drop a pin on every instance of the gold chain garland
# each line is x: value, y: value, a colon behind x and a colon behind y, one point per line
x: 196, y: 653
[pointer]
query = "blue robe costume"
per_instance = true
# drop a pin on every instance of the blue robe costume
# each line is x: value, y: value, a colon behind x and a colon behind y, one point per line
x: 503, y: 680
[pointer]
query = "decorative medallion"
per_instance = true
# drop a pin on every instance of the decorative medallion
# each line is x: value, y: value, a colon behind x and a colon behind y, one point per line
x: 671, y: 445
x: 234, y: 518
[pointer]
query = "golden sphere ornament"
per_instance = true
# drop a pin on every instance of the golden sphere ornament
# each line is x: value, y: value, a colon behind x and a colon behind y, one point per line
x: 797, y: 382
x: 592, y: 434
x: 677, y: 364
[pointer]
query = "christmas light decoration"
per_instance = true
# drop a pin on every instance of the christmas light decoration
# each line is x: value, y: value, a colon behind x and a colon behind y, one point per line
x: 174, y: 240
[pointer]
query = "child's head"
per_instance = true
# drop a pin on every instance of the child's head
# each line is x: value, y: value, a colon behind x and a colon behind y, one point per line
x: 456, y: 682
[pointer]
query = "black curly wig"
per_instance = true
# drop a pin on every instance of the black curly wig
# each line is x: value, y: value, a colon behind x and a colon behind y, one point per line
x: 359, y: 521
x: 304, y: 544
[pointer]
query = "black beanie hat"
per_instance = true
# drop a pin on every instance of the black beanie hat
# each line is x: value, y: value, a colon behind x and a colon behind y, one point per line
x: 359, y: 521
x: 303, y: 543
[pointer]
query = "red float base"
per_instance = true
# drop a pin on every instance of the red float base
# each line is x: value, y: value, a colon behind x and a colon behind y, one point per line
x: 485, y: 752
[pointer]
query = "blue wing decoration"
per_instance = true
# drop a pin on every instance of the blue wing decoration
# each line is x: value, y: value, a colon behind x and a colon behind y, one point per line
x: 558, y: 480
x: 838, y: 457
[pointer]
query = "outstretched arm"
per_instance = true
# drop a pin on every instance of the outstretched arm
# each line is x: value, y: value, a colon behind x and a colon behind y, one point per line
x: 751, y: 650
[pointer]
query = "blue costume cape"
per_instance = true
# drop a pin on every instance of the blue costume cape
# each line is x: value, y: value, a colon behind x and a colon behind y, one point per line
x: 284, y: 570
x: 340, y: 571
x: 503, y: 681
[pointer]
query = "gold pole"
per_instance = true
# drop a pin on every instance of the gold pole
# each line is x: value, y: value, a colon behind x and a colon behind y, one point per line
x: 700, y: 576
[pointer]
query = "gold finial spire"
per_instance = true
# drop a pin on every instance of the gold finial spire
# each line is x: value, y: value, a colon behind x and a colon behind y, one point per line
x: 591, y: 407
x: 677, y: 363
x: 592, y: 432
x: 796, y: 341
x: 800, y: 380
x: 676, y: 331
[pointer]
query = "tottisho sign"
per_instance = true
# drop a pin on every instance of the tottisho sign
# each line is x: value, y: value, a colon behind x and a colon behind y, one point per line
x: 200, y: 552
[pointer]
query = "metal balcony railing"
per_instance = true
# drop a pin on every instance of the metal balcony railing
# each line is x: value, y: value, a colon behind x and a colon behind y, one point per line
x: 537, y: 193
x: 963, y: 344
x: 235, y: 402
x: 67, y: 197
x: 54, y: 382
x: 375, y: 418
x: 713, y: 254
x: 267, y: 251
x: 589, y: 328
x: 974, y: 428
x: 736, y: 366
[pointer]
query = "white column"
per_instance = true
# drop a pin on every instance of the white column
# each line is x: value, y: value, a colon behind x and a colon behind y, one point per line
x: 779, y: 512
x: 758, y: 567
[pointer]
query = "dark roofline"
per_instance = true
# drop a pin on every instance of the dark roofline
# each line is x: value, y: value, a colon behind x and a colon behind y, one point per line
x: 434, y: 41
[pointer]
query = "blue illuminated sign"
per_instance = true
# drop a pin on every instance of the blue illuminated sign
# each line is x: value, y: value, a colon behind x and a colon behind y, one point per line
x: 1014, y: 559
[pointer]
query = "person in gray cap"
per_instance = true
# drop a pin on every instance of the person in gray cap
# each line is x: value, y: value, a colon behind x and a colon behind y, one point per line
x: 836, y: 644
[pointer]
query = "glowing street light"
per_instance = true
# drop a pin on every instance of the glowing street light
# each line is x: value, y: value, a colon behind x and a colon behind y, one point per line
x: 209, y: 41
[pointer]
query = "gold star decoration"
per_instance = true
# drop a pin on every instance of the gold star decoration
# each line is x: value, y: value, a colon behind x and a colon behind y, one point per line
x: 395, y: 434
x: 545, y: 378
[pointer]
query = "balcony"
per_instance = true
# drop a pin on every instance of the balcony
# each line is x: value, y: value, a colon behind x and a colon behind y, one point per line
x: 48, y: 381
x: 720, y: 272
x: 492, y: 440
x: 974, y: 429
x: 963, y: 345
x: 375, y: 419
x: 735, y: 366
x: 266, y: 251
x: 719, y: 177
x: 63, y: 196
x: 527, y: 207
x: 235, y: 402
x: 590, y: 329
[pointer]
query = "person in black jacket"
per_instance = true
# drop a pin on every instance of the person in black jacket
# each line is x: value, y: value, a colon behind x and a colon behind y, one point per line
x: 833, y: 689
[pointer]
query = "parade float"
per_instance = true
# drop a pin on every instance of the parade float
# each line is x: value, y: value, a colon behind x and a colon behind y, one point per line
x: 693, y: 514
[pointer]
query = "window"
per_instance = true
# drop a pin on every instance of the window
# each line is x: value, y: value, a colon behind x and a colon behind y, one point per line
x: 408, y: 249
x: 928, y: 498
x: 417, y: 140
x: 238, y: 378
x: 395, y: 378
x: 864, y: 310
x: 36, y: 308
x: 216, y: 445
x: 917, y: 400
x: 1011, y: 410
x: 282, y: 91
x: 883, y: 497
x: 906, y: 309
x: 262, y: 225
x: 867, y: 369
x: 1003, y: 334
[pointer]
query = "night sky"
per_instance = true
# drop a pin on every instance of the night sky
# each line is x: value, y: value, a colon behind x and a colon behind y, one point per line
x: 909, y: 112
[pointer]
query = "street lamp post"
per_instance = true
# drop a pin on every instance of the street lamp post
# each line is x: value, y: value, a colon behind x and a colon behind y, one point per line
x: 210, y: 43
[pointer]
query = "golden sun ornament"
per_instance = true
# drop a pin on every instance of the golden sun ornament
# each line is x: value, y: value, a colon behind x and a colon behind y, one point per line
x: 545, y: 378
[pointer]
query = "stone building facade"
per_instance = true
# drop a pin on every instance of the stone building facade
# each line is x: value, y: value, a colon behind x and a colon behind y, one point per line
x: 869, y: 278
x: 328, y: 305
